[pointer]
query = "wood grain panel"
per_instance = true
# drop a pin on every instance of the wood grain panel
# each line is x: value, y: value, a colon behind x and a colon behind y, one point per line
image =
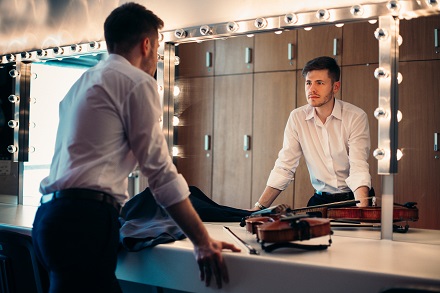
x: 230, y: 55
x: 318, y: 42
x: 193, y: 59
x: 232, y: 120
x: 274, y: 99
x: 359, y: 45
x: 359, y: 87
x: 419, y: 171
x: 271, y: 51
x: 194, y: 108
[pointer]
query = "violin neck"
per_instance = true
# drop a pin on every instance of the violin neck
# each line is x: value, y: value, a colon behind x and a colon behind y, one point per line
x: 321, y: 207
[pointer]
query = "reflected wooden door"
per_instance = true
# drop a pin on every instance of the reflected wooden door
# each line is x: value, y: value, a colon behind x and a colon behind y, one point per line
x: 418, y: 177
x: 359, y: 87
x: 274, y: 99
x: 232, y: 122
x: 194, y: 109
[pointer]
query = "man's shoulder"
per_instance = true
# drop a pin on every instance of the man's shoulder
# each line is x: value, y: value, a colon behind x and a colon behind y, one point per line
x: 350, y: 108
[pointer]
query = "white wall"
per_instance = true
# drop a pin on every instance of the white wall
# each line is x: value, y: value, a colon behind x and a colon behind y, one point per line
x: 35, y: 24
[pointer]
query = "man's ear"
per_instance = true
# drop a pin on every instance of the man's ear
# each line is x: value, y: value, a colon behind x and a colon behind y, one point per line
x: 336, y: 86
x: 146, y: 46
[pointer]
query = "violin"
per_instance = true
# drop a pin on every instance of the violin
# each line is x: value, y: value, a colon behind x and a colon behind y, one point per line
x: 280, y: 230
x: 372, y: 214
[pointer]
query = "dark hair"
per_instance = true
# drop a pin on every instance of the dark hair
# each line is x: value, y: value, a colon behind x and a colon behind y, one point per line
x: 321, y: 63
x: 128, y: 24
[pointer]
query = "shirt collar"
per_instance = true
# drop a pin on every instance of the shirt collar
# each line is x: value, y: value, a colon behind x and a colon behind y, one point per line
x: 337, y: 111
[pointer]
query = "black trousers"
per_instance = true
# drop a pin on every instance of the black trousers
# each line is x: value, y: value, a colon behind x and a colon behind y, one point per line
x: 318, y: 199
x: 77, y: 241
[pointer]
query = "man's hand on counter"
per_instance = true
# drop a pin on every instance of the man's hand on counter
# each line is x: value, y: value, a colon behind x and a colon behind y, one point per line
x: 208, y: 251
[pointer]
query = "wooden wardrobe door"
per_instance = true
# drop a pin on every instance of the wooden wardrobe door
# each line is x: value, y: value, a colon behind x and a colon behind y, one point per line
x: 274, y: 99
x: 419, y: 169
x: 194, y: 108
x: 232, y: 121
x: 319, y: 42
x: 359, y: 87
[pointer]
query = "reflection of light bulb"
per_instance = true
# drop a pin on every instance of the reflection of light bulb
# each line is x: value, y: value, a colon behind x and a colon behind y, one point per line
x: 372, y: 21
x: 309, y: 28
x: 399, y: 40
x: 379, y: 154
x: 290, y: 18
x: 278, y: 32
x: 399, y: 154
x: 357, y: 10
x: 175, y: 151
x: 176, y: 60
x: 339, y: 25
x: 399, y: 116
x: 399, y: 78
x: 381, y: 34
x: 381, y: 73
x: 12, y: 149
x: 176, y: 91
x: 176, y: 121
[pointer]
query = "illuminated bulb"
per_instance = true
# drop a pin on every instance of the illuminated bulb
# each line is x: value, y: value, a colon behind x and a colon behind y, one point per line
x: 176, y: 121
x: 160, y: 57
x: 399, y: 154
x: 260, y: 23
x: 379, y: 154
x: 250, y: 35
x: 381, y: 34
x: 399, y: 78
x: 160, y: 37
x: 180, y: 33
x: 14, y: 73
x: 399, y: 40
x: 94, y: 45
x: 25, y: 55
x: 176, y: 91
x: 372, y: 21
x: 393, y: 6
x: 339, y: 25
x: 176, y: 60
x: 58, y: 51
x: 278, y: 32
x: 32, y: 149
x: 175, y: 151
x: 290, y: 18
x: 380, y: 113
x: 10, y: 58
x: 357, y: 10
x: 12, y: 149
x: 75, y: 48
x: 322, y: 14
x: 399, y: 116
x: 232, y: 27
x: 205, y: 30
x: 309, y: 28
x: 381, y: 73
x: 13, y: 98
x: 13, y: 123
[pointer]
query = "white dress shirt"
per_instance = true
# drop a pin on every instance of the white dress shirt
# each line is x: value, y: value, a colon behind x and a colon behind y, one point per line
x: 335, y: 152
x: 109, y: 122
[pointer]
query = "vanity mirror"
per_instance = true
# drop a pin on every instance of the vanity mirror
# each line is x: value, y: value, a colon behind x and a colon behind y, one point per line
x: 256, y: 152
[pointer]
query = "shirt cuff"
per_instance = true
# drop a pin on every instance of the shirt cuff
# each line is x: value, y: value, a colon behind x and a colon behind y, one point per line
x: 278, y: 181
x: 172, y: 192
x: 355, y: 181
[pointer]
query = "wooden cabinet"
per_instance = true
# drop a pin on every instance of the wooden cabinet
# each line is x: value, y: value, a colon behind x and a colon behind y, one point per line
x: 193, y: 134
x: 234, y: 55
x: 196, y: 59
x: 231, y: 183
x: 359, y: 87
x: 359, y: 45
x: 274, y: 52
x: 320, y: 41
x: 419, y: 37
x: 274, y: 99
x: 418, y: 174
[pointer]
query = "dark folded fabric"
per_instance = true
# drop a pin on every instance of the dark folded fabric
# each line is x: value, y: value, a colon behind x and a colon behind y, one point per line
x: 145, y: 223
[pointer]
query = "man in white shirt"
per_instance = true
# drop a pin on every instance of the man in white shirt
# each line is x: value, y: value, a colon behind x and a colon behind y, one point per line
x: 109, y: 122
x: 332, y: 135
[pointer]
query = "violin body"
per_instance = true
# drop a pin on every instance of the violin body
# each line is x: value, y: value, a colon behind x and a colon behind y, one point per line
x: 372, y: 214
x: 297, y: 230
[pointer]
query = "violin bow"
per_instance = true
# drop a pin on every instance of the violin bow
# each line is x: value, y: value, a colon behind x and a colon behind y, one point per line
x: 249, y: 247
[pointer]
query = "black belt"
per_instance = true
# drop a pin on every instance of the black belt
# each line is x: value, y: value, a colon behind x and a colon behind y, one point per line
x: 79, y: 193
x: 335, y: 195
